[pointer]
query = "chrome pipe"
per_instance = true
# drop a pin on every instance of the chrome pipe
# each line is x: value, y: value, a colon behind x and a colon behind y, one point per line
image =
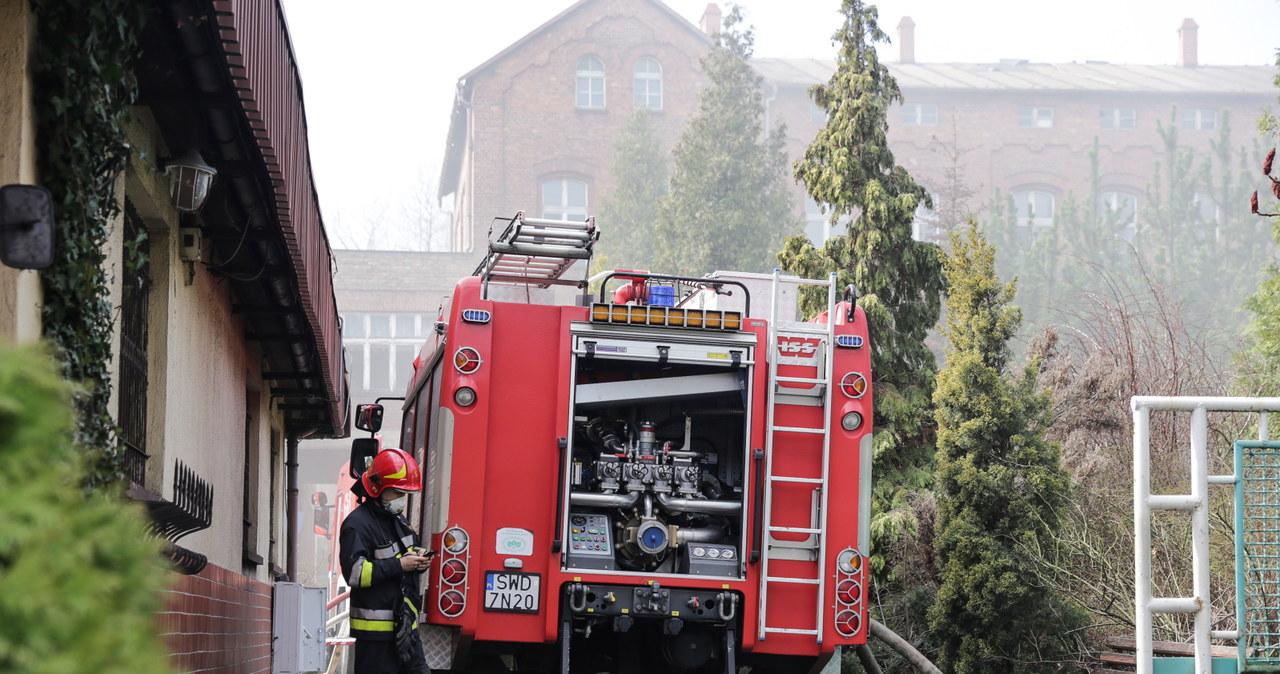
x: 697, y: 505
x: 604, y: 500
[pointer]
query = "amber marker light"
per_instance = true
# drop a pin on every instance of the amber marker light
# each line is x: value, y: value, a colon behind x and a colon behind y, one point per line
x: 455, y: 540
x: 466, y: 360
x: 853, y: 385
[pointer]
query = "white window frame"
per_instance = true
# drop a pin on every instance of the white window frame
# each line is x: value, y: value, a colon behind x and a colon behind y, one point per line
x: 590, y: 89
x: 817, y: 225
x: 356, y: 328
x: 925, y: 225
x: 920, y: 114
x: 1200, y: 119
x: 1203, y: 202
x: 563, y: 210
x: 1111, y: 201
x: 646, y: 86
x: 1035, y: 116
x: 1034, y: 218
x: 1117, y: 118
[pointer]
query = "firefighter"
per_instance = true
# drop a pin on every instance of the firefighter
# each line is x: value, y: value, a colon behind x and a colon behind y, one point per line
x: 381, y: 560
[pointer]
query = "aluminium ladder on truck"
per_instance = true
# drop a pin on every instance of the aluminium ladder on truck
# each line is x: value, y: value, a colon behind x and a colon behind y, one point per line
x: 538, y: 252
x: 813, y: 548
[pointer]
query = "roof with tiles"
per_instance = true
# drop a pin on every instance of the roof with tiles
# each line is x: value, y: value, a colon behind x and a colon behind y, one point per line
x: 1019, y: 75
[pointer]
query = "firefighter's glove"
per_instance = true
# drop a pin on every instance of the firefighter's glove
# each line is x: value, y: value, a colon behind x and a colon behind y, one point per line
x: 405, y: 630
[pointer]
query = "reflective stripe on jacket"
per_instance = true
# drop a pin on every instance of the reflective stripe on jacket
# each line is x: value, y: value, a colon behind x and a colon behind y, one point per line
x: 370, y: 547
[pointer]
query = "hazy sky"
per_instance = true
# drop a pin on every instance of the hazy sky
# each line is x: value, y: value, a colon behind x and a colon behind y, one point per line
x: 379, y: 76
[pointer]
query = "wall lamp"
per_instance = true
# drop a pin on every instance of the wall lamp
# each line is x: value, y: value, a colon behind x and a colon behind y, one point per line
x: 26, y: 226
x: 189, y: 180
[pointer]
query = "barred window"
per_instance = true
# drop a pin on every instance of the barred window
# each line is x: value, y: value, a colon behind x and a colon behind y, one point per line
x: 132, y: 412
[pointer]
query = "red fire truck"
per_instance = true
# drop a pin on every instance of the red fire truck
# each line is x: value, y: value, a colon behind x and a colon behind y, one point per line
x: 672, y: 477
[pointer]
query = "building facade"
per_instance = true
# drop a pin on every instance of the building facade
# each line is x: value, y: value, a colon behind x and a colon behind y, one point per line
x: 226, y: 344
x: 528, y: 133
x: 533, y: 127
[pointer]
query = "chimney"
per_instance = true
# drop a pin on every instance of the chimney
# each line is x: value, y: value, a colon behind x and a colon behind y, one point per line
x: 711, y: 19
x: 1187, y: 44
x: 906, y: 40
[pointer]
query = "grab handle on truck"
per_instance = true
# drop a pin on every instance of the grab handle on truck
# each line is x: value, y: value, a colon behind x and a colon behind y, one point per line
x: 758, y: 525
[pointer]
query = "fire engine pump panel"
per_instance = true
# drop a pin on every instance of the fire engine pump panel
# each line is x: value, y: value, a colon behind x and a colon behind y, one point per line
x: 657, y: 464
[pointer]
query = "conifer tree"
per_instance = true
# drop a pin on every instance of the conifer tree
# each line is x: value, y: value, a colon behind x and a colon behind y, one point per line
x: 628, y: 215
x: 729, y: 205
x: 1000, y: 485
x: 79, y: 574
x: 849, y: 170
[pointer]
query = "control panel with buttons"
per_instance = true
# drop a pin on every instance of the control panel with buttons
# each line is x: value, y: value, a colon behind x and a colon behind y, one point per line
x: 590, y: 541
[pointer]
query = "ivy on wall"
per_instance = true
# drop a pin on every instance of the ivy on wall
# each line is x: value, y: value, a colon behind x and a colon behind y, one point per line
x: 83, y: 74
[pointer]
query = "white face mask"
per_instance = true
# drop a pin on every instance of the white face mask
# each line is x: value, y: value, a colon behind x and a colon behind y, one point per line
x: 396, y: 505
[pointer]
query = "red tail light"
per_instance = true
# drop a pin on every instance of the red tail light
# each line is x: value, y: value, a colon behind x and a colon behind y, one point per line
x: 452, y: 602
x: 848, y: 622
x: 453, y: 572
x: 849, y: 592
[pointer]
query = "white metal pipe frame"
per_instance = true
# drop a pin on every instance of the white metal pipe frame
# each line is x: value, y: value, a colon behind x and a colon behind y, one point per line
x: 1197, y: 503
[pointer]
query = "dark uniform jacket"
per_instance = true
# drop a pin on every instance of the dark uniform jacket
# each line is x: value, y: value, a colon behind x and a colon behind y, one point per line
x: 371, y: 544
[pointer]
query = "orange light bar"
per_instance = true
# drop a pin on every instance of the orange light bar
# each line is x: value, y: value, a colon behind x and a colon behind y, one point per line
x: 675, y: 317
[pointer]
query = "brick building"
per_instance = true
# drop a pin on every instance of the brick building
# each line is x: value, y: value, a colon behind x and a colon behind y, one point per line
x: 533, y: 127
x: 1027, y: 129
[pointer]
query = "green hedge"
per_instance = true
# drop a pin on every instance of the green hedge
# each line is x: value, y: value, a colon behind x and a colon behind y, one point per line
x: 79, y: 575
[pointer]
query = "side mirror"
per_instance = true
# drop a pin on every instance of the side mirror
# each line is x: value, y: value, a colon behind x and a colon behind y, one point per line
x: 320, y: 508
x: 26, y: 226
x: 362, y: 452
x: 369, y: 418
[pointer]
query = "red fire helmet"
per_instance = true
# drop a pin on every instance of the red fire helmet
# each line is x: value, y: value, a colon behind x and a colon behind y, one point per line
x: 392, y: 468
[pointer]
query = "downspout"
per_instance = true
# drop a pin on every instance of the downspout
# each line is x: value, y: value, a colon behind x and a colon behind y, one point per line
x: 292, y: 516
x: 291, y: 506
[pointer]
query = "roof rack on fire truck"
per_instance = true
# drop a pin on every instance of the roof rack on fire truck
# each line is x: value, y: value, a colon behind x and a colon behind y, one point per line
x: 538, y: 252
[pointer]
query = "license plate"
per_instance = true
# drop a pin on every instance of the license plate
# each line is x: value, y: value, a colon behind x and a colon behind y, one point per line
x: 512, y: 591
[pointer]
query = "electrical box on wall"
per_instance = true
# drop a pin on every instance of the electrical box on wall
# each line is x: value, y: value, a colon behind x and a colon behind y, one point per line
x: 298, y: 617
x: 189, y: 244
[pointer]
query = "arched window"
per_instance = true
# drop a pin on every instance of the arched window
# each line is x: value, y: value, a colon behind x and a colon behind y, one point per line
x: 590, y: 82
x: 1033, y: 207
x: 564, y: 199
x: 647, y: 85
x: 1120, y: 211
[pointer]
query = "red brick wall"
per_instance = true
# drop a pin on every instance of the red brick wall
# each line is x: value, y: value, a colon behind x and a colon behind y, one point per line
x: 527, y: 128
x: 218, y: 622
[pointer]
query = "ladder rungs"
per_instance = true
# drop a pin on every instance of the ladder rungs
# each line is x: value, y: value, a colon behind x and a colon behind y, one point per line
x: 789, y: 630
x: 796, y: 530
x: 788, y: 579
x: 798, y: 429
x: 801, y: 480
x: 801, y: 380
